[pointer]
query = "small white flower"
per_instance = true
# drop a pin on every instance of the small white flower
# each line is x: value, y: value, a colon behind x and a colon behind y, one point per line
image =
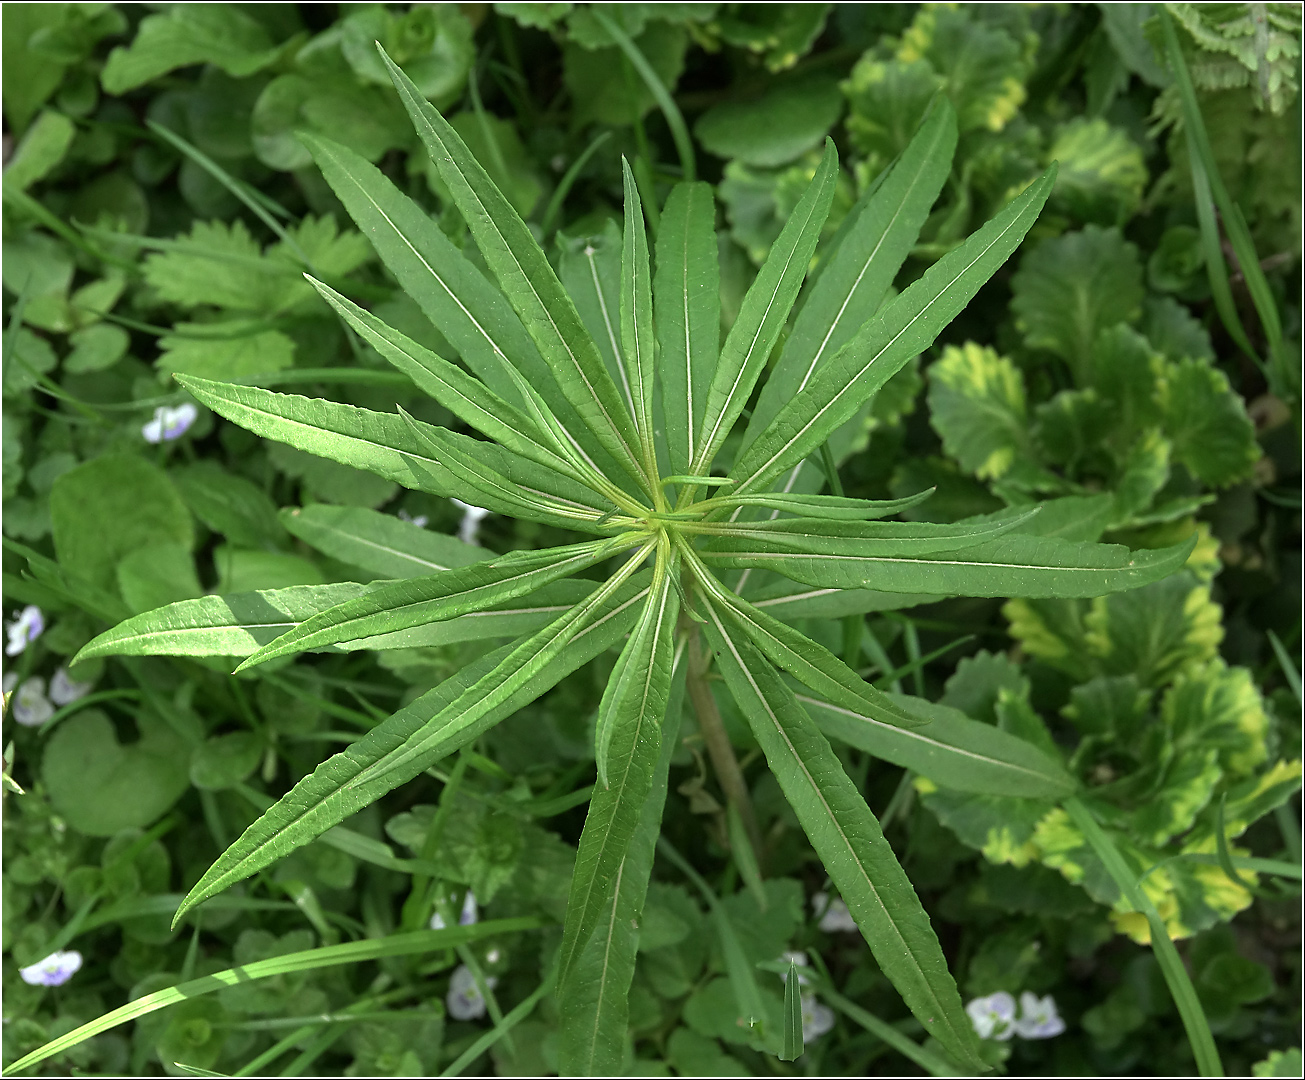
x: 1038, y: 1017
x: 421, y: 520
x: 816, y: 1018
x: 169, y: 424
x: 467, y: 917
x: 835, y: 918
x: 493, y: 956
x: 29, y: 706
x: 472, y: 516
x: 993, y: 1016
x: 464, y: 999
x: 10, y: 681
x: 27, y: 626
x: 64, y: 691
x: 55, y: 970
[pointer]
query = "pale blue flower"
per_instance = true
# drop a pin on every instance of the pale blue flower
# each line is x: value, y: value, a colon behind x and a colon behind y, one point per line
x: 834, y: 916
x: 1038, y: 1017
x: 64, y: 691
x: 27, y: 626
x: 169, y: 424
x: 467, y: 917
x: 472, y: 516
x: 55, y: 970
x: 29, y: 705
x: 464, y: 999
x: 993, y: 1016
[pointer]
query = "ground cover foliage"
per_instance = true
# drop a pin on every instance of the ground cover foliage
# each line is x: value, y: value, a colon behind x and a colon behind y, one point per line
x: 618, y: 801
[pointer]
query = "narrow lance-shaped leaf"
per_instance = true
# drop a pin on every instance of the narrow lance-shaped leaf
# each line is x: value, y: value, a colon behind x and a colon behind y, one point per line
x: 417, y: 943
x: 240, y: 623
x: 234, y: 625
x: 381, y: 544
x: 433, y: 598
x: 453, y: 293
x: 952, y: 750
x: 885, y: 344
x: 686, y: 291
x: 854, y: 538
x: 499, y: 480
x: 852, y: 284
x: 629, y: 739
x: 527, y: 279
x: 1013, y: 565
x: 764, y: 311
x: 806, y: 660
x: 637, y: 339
x: 380, y: 443
x: 849, y: 841
x: 829, y: 507
x: 462, y: 394
x: 595, y: 1002
x: 457, y: 711
x: 793, y: 1046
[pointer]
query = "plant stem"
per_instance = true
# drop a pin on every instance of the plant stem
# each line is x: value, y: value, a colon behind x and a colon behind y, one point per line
x: 723, y: 759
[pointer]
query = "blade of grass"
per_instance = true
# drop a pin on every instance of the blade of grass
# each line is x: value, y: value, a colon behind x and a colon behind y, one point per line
x: 239, y: 190
x: 1288, y: 668
x: 352, y: 952
x: 1171, y: 964
x: 501, y: 1029
x: 908, y: 1048
x: 567, y: 182
x: 674, y: 120
x: 1203, y: 162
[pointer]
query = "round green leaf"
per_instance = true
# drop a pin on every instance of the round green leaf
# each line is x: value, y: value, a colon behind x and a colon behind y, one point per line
x: 225, y: 760
x: 785, y: 122
x: 110, y: 507
x: 101, y: 785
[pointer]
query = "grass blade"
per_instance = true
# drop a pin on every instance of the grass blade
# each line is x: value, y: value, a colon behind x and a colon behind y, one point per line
x: 353, y: 952
x: 1202, y: 156
x: 499, y: 1030
x: 1171, y: 964
x: 674, y: 121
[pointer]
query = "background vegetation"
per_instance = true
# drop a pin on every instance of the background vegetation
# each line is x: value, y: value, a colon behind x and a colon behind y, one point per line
x: 158, y: 214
